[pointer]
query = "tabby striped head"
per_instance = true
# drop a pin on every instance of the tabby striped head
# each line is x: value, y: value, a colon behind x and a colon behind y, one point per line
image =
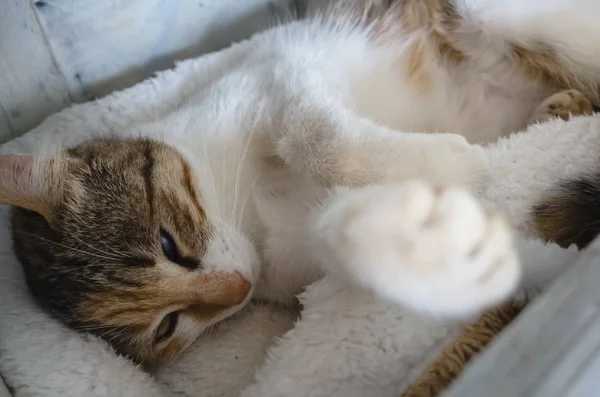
x: 115, y: 239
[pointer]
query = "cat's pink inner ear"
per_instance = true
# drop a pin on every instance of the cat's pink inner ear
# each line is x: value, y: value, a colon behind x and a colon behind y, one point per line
x: 18, y: 188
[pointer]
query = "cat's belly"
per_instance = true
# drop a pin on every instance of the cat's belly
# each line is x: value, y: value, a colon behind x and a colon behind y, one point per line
x: 478, y: 113
x: 438, y: 98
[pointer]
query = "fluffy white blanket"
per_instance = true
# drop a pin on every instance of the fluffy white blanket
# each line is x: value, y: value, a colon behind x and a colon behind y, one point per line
x: 346, y: 343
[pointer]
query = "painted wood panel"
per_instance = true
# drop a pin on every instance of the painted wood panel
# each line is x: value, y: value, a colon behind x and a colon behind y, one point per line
x: 3, y: 389
x: 552, y: 349
x: 55, y: 52
x: 31, y: 85
x: 102, y: 46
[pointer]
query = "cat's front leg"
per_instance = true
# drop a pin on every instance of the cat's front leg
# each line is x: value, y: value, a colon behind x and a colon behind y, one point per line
x: 429, y: 248
x: 339, y: 148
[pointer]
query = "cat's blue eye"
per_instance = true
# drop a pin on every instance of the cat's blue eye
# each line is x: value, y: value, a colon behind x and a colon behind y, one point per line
x: 168, y: 246
x: 172, y: 253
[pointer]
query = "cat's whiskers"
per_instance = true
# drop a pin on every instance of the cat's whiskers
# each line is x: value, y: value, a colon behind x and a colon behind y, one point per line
x: 115, y: 255
x: 239, y: 218
x: 212, y: 184
x: 223, y: 158
x: 113, y: 337
x: 99, y: 266
x: 117, y: 335
x: 123, y: 260
x: 87, y: 328
x: 238, y: 213
x: 113, y: 250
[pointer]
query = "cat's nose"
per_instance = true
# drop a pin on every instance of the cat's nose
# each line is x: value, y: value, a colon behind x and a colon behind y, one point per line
x: 240, y: 288
x: 222, y: 289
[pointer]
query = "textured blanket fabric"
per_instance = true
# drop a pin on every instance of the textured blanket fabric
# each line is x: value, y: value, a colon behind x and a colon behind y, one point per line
x: 472, y: 340
x: 40, y: 357
x: 345, y: 343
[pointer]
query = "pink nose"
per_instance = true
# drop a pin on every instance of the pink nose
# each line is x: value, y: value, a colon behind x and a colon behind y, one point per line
x: 240, y: 288
x: 222, y: 289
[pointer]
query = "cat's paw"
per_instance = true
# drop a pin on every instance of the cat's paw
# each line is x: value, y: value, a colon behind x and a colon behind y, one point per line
x: 564, y: 104
x: 431, y: 248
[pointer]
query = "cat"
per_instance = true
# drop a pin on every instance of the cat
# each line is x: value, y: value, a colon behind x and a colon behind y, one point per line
x: 570, y: 212
x: 348, y: 141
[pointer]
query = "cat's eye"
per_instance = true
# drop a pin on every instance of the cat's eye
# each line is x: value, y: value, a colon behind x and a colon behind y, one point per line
x: 172, y: 253
x: 167, y: 326
x: 168, y: 246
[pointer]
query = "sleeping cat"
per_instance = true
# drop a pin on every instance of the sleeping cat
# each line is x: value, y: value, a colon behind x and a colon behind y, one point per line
x: 344, y: 142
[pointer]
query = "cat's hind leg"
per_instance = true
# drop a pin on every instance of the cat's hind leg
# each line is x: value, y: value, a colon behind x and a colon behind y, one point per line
x: 429, y: 248
x: 563, y: 104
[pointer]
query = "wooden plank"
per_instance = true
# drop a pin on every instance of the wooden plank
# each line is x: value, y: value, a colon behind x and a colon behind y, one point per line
x: 56, y: 52
x: 31, y: 86
x: 6, y: 131
x: 106, y: 45
x: 552, y: 349
x: 3, y: 389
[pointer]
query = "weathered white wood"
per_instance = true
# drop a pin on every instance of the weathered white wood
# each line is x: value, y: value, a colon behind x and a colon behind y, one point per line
x: 3, y: 389
x: 31, y: 86
x: 552, y: 349
x: 106, y: 45
x: 54, y: 52
x: 6, y: 131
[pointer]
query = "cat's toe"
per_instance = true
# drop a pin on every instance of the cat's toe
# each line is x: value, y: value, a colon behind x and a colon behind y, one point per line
x: 464, y: 258
x: 431, y: 248
x: 564, y: 105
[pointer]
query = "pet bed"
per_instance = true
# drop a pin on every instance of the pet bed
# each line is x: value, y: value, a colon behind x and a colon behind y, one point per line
x: 345, y: 343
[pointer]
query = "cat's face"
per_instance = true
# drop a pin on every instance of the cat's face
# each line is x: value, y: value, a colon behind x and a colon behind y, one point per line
x: 118, y: 242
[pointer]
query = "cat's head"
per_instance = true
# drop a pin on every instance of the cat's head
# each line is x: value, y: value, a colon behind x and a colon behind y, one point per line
x: 116, y: 239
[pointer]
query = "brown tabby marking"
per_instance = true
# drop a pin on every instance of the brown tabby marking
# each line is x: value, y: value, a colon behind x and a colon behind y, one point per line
x: 473, y: 339
x: 541, y: 62
x: 570, y: 214
x: 98, y: 265
x: 439, y: 23
x: 390, y: 19
x: 137, y: 305
x: 417, y: 72
x: 557, y: 220
x: 436, y: 19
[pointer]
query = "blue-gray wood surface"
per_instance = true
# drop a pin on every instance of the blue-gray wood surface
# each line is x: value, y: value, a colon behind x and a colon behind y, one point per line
x: 3, y: 389
x: 57, y: 52
x: 552, y: 349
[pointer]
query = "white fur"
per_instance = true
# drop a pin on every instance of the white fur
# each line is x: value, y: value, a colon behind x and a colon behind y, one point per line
x: 435, y: 252
x: 567, y: 25
x: 330, y: 104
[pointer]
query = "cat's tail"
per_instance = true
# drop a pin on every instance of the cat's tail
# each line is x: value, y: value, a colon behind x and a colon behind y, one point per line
x: 546, y: 180
x: 570, y: 214
x: 553, y: 39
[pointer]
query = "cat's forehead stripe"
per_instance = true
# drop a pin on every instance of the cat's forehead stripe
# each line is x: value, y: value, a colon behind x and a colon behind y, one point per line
x: 187, y: 184
x: 147, y: 171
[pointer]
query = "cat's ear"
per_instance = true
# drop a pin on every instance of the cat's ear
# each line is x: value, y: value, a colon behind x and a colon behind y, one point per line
x: 19, y: 186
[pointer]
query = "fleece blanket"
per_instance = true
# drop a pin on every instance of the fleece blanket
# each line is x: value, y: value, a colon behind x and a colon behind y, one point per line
x: 345, y: 342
